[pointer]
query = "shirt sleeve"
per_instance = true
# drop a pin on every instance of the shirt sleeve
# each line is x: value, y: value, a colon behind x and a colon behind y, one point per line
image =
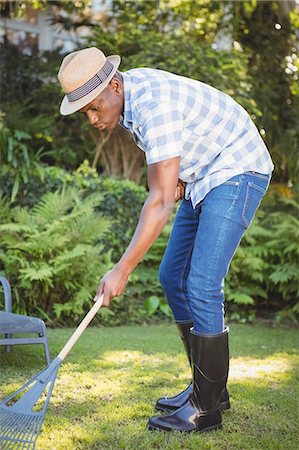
x: 161, y: 132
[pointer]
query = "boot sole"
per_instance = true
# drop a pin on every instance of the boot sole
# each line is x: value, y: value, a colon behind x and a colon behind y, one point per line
x: 224, y: 406
x: 204, y: 430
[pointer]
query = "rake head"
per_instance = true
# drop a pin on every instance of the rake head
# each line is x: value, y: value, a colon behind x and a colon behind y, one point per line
x: 18, y: 431
x: 19, y: 423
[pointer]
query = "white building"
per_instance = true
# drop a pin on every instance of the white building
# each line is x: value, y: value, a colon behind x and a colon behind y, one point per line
x: 35, y: 30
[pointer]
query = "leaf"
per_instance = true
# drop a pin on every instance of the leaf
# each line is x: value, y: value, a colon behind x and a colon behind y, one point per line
x: 284, y: 273
x: 152, y: 304
x: 15, y: 228
x: 21, y: 135
x: 44, y: 273
x: 165, y: 308
x: 15, y: 188
x: 10, y: 143
x: 106, y: 312
x: 44, y: 315
x: 26, y: 156
x: 241, y: 298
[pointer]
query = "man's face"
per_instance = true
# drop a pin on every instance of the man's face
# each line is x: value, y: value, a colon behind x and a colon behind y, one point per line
x: 104, y: 111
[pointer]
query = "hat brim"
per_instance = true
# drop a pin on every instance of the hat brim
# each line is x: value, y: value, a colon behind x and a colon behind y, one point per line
x: 67, y: 107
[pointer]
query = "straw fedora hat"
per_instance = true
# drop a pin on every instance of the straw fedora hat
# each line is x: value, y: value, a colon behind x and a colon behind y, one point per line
x: 83, y: 75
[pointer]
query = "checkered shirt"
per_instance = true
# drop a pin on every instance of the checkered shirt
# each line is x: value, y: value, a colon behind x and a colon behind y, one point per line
x: 171, y: 116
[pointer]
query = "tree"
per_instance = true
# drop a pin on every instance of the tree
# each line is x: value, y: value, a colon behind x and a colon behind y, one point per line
x: 267, y: 33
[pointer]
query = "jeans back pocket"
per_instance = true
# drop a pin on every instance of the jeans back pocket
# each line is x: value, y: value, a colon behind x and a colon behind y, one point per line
x: 253, y: 198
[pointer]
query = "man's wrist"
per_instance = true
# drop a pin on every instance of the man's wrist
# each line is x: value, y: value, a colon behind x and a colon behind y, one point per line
x: 124, y: 268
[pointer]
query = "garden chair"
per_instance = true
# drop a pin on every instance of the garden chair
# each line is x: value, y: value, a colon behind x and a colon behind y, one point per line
x: 12, y: 324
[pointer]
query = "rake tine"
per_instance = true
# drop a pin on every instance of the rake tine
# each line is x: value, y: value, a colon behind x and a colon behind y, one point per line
x: 22, y: 433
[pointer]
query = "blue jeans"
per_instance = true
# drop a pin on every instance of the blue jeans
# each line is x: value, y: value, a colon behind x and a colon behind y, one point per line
x: 201, y: 246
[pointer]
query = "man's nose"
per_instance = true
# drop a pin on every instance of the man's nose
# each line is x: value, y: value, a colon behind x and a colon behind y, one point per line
x: 92, y: 117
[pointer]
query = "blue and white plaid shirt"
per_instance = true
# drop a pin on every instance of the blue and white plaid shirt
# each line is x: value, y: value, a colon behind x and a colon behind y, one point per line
x: 170, y: 116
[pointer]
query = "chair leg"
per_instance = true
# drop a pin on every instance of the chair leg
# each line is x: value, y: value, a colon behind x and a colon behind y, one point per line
x: 46, y: 346
x: 47, y: 353
x: 8, y: 348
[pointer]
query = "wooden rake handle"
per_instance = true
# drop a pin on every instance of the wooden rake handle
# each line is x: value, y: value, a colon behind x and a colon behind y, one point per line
x: 85, y: 322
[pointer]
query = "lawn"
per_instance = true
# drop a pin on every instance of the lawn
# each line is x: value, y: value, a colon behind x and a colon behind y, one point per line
x: 106, y: 389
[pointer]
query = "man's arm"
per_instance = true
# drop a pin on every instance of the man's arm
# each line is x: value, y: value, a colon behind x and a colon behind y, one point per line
x: 162, y: 183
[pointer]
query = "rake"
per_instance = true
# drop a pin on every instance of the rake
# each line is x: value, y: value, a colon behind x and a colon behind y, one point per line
x: 22, y: 413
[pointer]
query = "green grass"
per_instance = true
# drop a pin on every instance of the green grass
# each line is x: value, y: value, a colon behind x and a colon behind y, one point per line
x: 106, y: 389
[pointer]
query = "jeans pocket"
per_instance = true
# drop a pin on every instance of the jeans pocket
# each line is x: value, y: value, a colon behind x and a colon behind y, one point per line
x: 253, y: 198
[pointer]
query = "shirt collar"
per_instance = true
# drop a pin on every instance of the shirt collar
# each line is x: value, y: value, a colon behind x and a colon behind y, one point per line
x: 126, y: 119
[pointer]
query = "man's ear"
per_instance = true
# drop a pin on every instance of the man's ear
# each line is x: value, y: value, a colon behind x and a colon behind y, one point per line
x: 116, y: 85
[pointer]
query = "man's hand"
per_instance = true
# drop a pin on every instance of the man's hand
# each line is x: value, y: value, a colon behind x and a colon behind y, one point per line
x: 180, y: 190
x: 112, y: 285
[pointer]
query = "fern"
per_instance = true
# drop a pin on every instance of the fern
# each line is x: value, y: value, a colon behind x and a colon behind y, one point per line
x: 266, y: 263
x: 51, y: 253
x: 285, y: 273
x: 41, y: 273
x: 241, y: 298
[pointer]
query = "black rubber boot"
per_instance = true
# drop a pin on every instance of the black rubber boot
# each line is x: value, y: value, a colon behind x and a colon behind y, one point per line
x: 169, y: 404
x: 210, y: 362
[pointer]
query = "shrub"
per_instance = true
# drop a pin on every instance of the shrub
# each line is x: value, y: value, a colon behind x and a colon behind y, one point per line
x: 122, y: 200
x: 262, y: 278
x: 18, y: 159
x: 264, y: 273
x: 52, y: 254
x: 120, y: 203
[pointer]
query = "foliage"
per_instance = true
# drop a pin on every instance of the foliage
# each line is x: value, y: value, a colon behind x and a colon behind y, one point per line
x: 33, y: 107
x: 122, y: 203
x: 52, y: 256
x: 18, y: 160
x: 263, y: 275
x: 264, y: 272
x: 225, y: 70
x: 283, y: 255
x: 134, y: 305
x: 144, y: 283
x: 18, y: 9
x: 122, y: 200
x: 145, y: 42
x: 196, y: 20
x: 154, y: 303
x: 260, y: 71
x: 274, y: 66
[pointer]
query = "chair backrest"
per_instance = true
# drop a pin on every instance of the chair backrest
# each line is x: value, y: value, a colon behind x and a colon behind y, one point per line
x: 7, y: 294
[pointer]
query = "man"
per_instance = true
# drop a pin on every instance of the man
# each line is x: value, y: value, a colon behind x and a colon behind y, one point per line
x: 201, y: 147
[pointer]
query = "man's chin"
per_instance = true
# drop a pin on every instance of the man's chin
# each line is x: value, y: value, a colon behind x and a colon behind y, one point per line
x: 111, y: 127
